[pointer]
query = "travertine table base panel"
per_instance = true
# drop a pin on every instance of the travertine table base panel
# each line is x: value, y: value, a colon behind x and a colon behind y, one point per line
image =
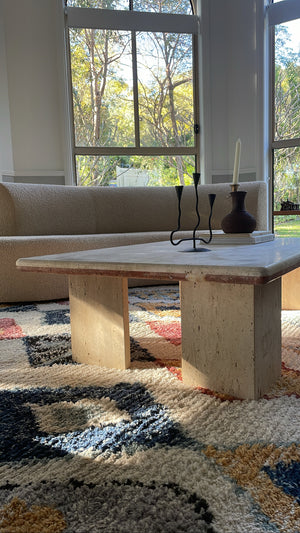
x: 291, y: 289
x: 231, y: 336
x: 99, y: 320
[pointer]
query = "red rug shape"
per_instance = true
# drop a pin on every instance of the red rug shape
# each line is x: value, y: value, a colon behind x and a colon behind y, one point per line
x: 9, y: 329
x: 170, y: 331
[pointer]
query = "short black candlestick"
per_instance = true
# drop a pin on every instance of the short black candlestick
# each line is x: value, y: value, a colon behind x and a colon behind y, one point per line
x: 194, y: 238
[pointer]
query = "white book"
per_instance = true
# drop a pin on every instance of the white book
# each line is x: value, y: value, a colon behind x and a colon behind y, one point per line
x: 219, y: 237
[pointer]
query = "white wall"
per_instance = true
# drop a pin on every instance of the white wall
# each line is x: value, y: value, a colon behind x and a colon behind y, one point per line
x: 233, y: 83
x: 6, y: 160
x: 33, y: 86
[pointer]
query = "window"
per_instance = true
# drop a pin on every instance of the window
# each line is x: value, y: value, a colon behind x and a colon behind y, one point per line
x: 284, y: 19
x: 134, y: 91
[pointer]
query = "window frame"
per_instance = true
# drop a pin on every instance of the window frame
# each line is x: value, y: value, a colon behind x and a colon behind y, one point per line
x: 134, y: 21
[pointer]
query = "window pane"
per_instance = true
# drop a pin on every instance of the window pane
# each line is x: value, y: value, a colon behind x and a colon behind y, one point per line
x: 163, y: 6
x: 101, y: 4
x: 102, y: 87
x: 287, y: 80
x: 122, y: 171
x: 286, y: 176
x: 165, y: 81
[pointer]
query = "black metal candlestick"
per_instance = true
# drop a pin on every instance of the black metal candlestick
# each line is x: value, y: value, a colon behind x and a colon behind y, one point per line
x: 211, y: 197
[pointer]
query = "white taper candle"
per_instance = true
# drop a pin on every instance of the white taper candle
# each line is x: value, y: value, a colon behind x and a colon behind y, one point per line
x: 236, y: 168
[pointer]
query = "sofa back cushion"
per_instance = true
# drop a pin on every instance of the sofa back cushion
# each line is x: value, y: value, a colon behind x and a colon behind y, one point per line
x: 48, y: 209
x: 156, y: 208
x: 7, y: 212
x: 27, y: 209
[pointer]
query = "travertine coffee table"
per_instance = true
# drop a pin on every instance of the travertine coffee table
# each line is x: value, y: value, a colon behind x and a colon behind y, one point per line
x: 230, y: 307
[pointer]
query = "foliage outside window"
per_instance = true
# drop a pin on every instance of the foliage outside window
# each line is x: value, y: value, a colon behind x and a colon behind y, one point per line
x: 286, y: 113
x: 133, y: 94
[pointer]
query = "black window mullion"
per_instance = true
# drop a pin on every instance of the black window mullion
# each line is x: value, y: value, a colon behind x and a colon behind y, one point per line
x: 135, y: 90
x: 196, y: 101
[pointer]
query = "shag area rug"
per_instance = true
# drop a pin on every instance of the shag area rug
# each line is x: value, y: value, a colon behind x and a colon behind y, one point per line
x: 88, y: 449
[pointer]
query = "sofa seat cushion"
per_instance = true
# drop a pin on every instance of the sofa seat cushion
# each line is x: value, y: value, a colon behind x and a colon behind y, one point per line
x: 28, y: 286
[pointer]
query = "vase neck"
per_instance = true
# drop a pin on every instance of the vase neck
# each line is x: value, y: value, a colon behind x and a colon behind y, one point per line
x: 238, y: 200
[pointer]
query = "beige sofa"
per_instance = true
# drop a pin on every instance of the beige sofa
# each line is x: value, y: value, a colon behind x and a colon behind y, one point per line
x: 47, y: 219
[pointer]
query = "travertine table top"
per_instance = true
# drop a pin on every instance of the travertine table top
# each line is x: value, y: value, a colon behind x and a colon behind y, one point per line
x: 255, y: 264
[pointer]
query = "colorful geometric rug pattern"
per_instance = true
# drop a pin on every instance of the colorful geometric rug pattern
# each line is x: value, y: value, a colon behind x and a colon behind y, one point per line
x: 89, y: 449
